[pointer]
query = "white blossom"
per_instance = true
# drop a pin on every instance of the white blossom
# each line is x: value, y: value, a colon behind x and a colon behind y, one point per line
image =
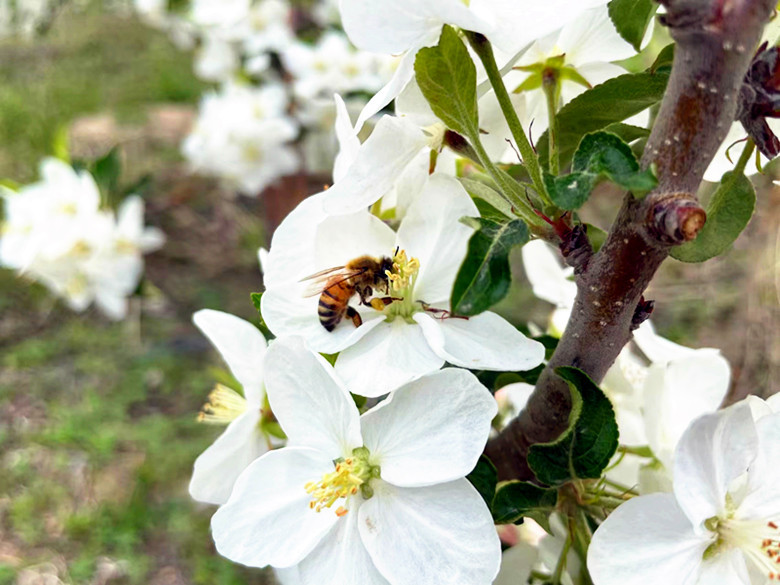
x: 721, y: 524
x: 373, y: 499
x: 586, y: 47
x: 56, y: 233
x: 243, y: 348
x: 407, y: 338
x: 332, y: 65
x: 243, y: 136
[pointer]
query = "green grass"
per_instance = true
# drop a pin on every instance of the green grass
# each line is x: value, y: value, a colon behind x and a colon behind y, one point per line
x: 89, y: 62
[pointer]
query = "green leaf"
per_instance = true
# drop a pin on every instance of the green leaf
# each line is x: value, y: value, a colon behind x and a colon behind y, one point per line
x: 600, y: 155
x: 570, y: 191
x: 60, y: 147
x: 728, y: 212
x: 631, y: 18
x: 664, y: 59
x: 484, y: 277
x: 492, y: 198
x: 613, y: 101
x: 256, y: 300
x: 484, y: 477
x: 106, y: 171
x: 518, y: 499
x: 448, y: 79
x: 596, y: 236
x: 583, y: 451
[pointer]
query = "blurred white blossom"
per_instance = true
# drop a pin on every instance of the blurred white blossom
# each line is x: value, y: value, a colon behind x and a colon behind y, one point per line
x: 55, y: 232
x: 243, y: 135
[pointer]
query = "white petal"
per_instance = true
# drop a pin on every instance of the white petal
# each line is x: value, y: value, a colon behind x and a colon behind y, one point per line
x: 412, y: 105
x: 381, y: 158
x: 763, y: 498
x: 436, y: 535
x: 511, y: 18
x: 714, y: 451
x: 592, y: 38
x: 646, y: 540
x: 349, y: 144
x: 403, y: 74
x: 267, y: 520
x: 518, y: 395
x: 292, y: 250
x: 218, y: 467
x: 485, y: 341
x: 288, y: 576
x: 387, y: 357
x: 549, y: 279
x: 432, y: 430
x: 658, y: 349
x: 677, y: 393
x: 517, y: 564
x: 394, y: 27
x: 306, y: 246
x: 726, y: 568
x: 240, y: 344
x: 341, y: 558
x: 290, y: 314
x: 432, y: 233
x: 312, y: 407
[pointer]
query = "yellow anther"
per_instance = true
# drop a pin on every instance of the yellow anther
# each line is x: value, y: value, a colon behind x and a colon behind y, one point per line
x: 404, y: 271
x: 224, y: 406
x: 347, y: 478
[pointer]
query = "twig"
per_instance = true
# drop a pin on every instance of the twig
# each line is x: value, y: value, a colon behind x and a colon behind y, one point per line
x: 715, y: 43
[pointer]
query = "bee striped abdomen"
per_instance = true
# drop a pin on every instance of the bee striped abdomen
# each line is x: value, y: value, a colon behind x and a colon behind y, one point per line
x: 334, y: 301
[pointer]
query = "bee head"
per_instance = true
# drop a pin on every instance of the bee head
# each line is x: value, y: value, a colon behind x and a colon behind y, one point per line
x: 385, y: 266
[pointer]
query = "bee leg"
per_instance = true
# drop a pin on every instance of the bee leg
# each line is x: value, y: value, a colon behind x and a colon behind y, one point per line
x: 381, y: 302
x: 364, y: 294
x: 355, y: 316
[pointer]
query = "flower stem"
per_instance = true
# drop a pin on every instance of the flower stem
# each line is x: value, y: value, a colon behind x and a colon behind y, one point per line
x: 744, y: 158
x: 509, y: 187
x: 484, y: 51
x: 550, y: 86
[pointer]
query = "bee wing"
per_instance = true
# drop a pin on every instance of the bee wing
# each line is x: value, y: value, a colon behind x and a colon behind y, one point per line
x: 321, y: 280
x: 321, y: 273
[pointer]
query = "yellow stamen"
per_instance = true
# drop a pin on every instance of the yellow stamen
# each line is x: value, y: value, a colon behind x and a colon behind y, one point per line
x: 404, y: 271
x: 224, y: 406
x: 349, y: 477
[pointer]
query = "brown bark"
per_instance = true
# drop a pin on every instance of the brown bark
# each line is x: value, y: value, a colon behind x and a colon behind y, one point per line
x: 715, y: 43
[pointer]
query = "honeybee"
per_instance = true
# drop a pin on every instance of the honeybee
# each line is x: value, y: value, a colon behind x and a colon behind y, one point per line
x: 336, y: 287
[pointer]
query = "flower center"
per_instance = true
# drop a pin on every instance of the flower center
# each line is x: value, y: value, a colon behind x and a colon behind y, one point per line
x: 401, y: 279
x: 759, y: 541
x: 350, y: 476
x: 223, y: 407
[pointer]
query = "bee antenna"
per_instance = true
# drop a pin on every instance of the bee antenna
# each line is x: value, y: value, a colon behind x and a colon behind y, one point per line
x: 396, y: 250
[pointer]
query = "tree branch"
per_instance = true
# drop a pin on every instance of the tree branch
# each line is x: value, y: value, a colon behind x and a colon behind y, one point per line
x: 715, y: 43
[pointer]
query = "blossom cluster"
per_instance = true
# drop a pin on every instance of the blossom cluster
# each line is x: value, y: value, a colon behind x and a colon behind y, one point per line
x: 277, y: 67
x: 56, y: 232
x: 345, y: 458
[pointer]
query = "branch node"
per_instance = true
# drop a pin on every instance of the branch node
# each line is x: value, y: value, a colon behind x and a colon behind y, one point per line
x: 676, y: 218
x: 576, y: 248
x: 642, y: 312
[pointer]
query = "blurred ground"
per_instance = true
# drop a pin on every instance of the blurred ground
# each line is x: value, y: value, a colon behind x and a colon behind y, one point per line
x: 97, y: 420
